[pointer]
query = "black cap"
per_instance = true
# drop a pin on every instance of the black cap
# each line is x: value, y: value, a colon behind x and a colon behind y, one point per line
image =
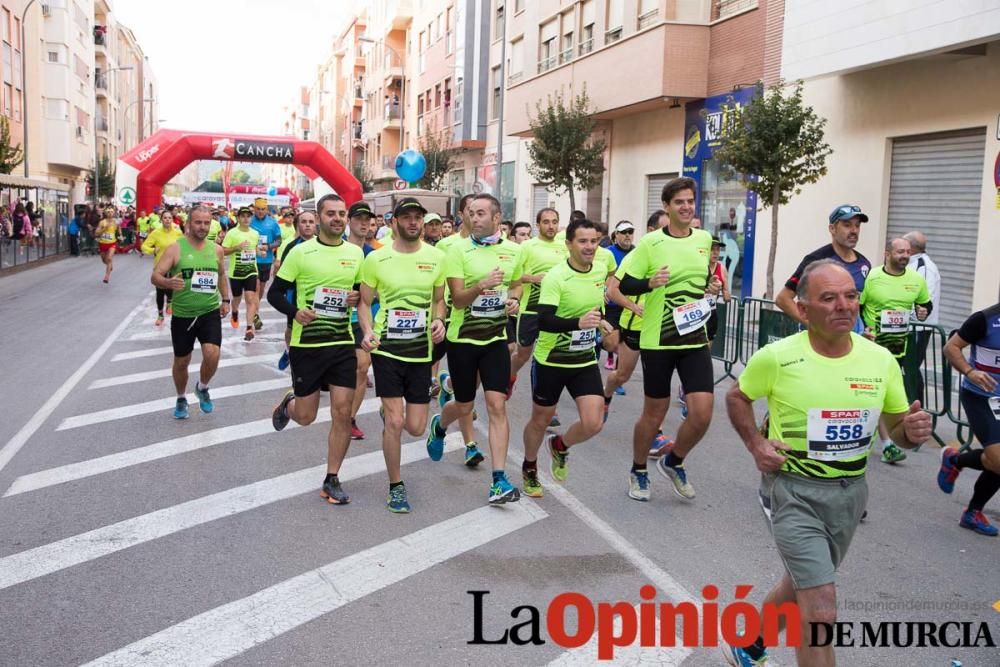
x: 408, y: 204
x: 244, y: 209
x: 717, y: 241
x: 360, y: 208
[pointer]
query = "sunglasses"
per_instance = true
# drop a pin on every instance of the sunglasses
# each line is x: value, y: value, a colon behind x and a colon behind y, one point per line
x: 627, y: 231
x: 848, y: 210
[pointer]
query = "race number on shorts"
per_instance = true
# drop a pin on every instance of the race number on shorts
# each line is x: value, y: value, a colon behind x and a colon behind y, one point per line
x: 840, y: 434
x: 330, y: 302
x: 692, y: 316
x: 204, y: 282
x: 895, y: 321
x: 491, y: 303
x: 405, y: 324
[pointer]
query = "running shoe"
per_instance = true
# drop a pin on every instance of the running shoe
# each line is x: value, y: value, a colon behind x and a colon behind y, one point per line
x: 181, y: 408
x: 357, y: 433
x: 446, y: 394
x: 204, y: 400
x: 661, y: 446
x: 738, y: 657
x: 502, y: 491
x: 893, y: 454
x: 678, y: 477
x: 334, y: 493
x: 234, y: 321
x: 530, y: 484
x: 159, y: 321
x: 559, y: 471
x: 638, y: 486
x: 258, y: 323
x: 170, y: 308
x: 949, y: 471
x: 248, y: 336
x: 620, y: 391
x: 435, y: 443
x: 397, y: 501
x: 279, y: 416
x: 974, y: 520
x: 554, y: 421
x: 473, y: 456
x: 283, y: 361
x: 609, y: 364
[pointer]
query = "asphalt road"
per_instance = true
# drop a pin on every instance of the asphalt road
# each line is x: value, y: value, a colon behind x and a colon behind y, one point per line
x: 127, y: 537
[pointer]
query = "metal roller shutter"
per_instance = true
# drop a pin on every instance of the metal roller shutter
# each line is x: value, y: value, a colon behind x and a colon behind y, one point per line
x: 654, y: 186
x: 936, y: 187
x: 539, y: 199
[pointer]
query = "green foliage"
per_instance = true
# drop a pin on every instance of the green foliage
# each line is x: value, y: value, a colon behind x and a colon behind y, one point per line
x: 440, y: 157
x: 107, y: 178
x: 240, y: 177
x: 776, y: 148
x: 10, y: 156
x: 564, y: 153
x: 361, y: 172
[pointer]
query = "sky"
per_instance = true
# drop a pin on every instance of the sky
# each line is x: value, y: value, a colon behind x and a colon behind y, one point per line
x: 231, y: 65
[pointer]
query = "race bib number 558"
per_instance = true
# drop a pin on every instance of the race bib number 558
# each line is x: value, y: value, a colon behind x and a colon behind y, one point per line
x: 840, y: 434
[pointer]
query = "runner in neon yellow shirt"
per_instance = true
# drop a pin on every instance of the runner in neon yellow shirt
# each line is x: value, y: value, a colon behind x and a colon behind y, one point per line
x: 241, y: 244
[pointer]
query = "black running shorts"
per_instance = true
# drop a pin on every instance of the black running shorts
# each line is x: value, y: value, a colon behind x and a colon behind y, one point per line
x: 238, y: 285
x: 548, y: 382
x: 317, y: 368
x: 490, y: 363
x: 693, y: 366
x: 184, y: 331
x: 409, y: 380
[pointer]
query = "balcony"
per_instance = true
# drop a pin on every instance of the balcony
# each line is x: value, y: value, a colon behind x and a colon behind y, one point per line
x: 566, y: 56
x: 392, y: 74
x: 613, y: 35
x: 586, y: 46
x: 391, y: 118
x: 102, y: 126
x: 648, y: 19
x: 546, y: 64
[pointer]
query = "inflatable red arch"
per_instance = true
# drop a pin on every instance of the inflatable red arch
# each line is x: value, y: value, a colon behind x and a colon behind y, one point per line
x: 149, y: 166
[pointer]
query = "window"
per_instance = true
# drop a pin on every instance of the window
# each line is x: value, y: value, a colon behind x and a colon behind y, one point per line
x: 566, y: 53
x: 496, y: 93
x: 498, y: 24
x: 56, y: 109
x: 616, y: 9
x: 547, y: 46
x: 586, y: 27
x: 437, y: 96
x: 16, y: 37
x: 648, y: 12
x: 431, y: 32
x: 53, y: 56
x: 8, y: 64
x: 439, y: 26
x: 518, y: 6
x: 6, y: 25
x: 17, y: 104
x: 421, y: 43
x: 17, y: 70
x: 723, y: 8
x: 447, y: 93
x: 516, y: 67
x: 8, y: 96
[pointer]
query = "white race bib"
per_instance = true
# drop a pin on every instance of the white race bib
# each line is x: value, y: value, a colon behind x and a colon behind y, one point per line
x: 107, y: 238
x: 330, y: 302
x: 247, y: 256
x: 204, y: 282
x: 491, y: 303
x: 692, y: 316
x: 832, y: 435
x: 582, y: 339
x: 895, y: 321
x: 405, y: 324
x: 995, y: 407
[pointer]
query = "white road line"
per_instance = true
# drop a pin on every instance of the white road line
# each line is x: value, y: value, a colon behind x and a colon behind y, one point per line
x: 233, y: 345
x: 48, y: 558
x: 165, y: 372
x: 231, y: 629
x: 125, y: 411
x: 262, y: 311
x: 165, y: 331
x: 159, y: 450
x: 14, y: 445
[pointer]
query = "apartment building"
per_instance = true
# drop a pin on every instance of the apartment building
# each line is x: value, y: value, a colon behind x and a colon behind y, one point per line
x: 12, y: 105
x: 296, y: 122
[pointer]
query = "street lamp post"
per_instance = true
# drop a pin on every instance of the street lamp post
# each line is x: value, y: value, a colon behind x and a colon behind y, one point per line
x: 24, y: 88
x: 402, y: 89
x: 97, y: 162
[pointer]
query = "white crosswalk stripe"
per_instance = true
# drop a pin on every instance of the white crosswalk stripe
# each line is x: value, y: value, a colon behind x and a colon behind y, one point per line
x: 229, y: 346
x: 131, y: 378
x: 229, y: 630
x: 55, y: 556
x: 165, y: 331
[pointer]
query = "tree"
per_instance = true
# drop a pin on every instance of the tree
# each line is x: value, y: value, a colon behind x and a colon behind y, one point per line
x: 776, y: 148
x: 564, y: 153
x: 360, y: 172
x: 440, y: 159
x: 107, y: 178
x: 10, y: 156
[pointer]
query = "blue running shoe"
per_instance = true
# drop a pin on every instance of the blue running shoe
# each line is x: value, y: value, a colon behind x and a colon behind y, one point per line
x: 738, y: 657
x: 445, y: 394
x: 397, y: 501
x: 473, y: 456
x: 620, y: 391
x: 204, y: 400
x: 502, y: 491
x: 181, y: 409
x: 949, y: 471
x: 974, y: 520
x: 554, y: 421
x: 435, y: 443
x: 283, y: 361
x: 638, y: 486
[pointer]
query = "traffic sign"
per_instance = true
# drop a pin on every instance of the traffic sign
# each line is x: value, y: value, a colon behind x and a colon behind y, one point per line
x: 400, y: 184
x: 126, y: 196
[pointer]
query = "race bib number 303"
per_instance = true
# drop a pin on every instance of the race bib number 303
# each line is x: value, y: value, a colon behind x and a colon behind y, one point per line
x: 491, y: 303
x: 839, y: 434
x: 692, y: 316
x: 204, y: 282
x: 405, y: 324
x: 330, y: 302
x: 895, y: 321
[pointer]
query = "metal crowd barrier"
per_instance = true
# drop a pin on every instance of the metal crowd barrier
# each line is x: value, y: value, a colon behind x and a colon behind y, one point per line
x: 762, y: 323
x: 726, y: 344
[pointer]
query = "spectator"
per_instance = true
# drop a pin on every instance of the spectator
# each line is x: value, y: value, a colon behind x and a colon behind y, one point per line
x: 23, y: 231
x: 73, y: 231
x: 921, y: 262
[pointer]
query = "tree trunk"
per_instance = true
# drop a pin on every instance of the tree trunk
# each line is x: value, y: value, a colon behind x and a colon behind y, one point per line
x: 572, y: 198
x: 775, y: 201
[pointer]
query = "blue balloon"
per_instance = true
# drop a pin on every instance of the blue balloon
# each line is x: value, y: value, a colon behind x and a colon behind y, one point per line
x: 271, y: 191
x: 410, y: 165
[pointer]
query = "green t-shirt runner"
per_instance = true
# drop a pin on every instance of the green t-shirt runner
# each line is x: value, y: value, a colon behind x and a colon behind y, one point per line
x: 886, y: 302
x: 323, y: 276
x: 674, y: 315
x: 405, y: 283
x: 200, y: 270
x: 574, y: 294
x: 485, y: 319
x: 538, y: 256
x: 242, y: 263
x: 825, y: 410
x: 213, y: 230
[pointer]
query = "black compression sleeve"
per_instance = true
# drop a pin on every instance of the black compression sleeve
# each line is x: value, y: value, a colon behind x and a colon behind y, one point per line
x: 276, y: 297
x: 548, y: 321
x: 631, y: 286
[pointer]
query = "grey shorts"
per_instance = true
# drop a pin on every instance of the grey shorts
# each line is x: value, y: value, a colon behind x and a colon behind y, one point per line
x: 813, y: 522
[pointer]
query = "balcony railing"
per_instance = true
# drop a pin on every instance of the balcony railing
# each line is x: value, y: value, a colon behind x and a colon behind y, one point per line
x: 586, y: 46
x: 388, y: 162
x: 613, y: 35
x: 648, y: 19
x: 514, y: 78
x: 102, y: 124
x: 566, y: 56
x: 392, y: 111
x: 546, y: 64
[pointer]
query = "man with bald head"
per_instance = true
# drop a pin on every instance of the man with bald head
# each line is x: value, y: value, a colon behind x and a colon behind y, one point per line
x: 827, y: 389
x: 921, y: 262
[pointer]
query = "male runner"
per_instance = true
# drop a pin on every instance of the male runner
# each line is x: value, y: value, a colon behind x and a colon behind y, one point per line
x: 622, y: 238
x: 359, y: 221
x: 432, y: 229
x: 287, y: 225
x: 521, y: 232
x: 243, y: 242
x: 305, y: 224
x: 484, y: 276
x: 569, y: 314
x: 980, y: 396
x: 192, y: 268
x: 156, y: 244
x: 672, y: 267
x: 891, y: 292
x: 823, y: 421
x: 324, y: 272
x: 216, y: 233
x: 408, y: 277
x: 269, y: 240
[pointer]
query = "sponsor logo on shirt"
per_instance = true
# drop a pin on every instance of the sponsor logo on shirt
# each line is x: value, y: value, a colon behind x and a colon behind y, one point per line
x: 792, y: 362
x: 425, y: 267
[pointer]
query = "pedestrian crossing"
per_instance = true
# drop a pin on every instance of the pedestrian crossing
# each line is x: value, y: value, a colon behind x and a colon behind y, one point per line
x: 136, y: 362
